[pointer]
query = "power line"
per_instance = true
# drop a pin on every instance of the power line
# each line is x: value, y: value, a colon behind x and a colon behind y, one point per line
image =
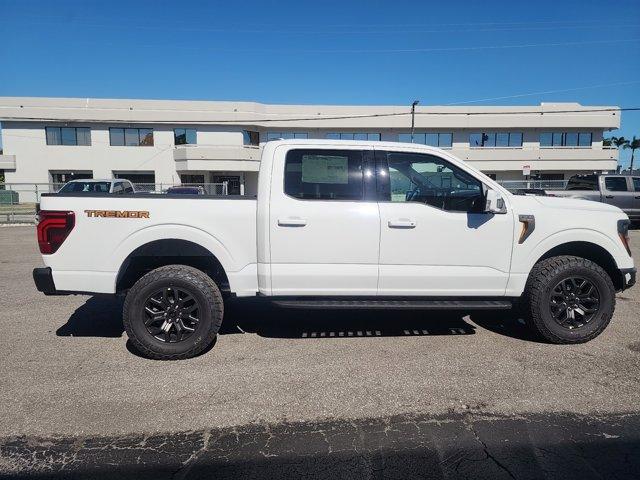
x: 324, y: 32
x: 319, y: 118
x: 520, y: 95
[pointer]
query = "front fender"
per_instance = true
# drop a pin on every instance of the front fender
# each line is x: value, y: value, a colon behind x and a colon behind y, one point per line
x: 524, y: 263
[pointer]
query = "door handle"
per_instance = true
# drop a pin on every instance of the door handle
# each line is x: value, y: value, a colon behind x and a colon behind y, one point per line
x: 292, y: 222
x: 402, y: 223
x: 608, y: 196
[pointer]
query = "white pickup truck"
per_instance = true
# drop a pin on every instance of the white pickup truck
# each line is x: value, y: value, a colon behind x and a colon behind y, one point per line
x: 339, y: 224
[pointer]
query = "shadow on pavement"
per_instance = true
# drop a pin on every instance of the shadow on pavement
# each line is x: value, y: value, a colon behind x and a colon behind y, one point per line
x: 455, y: 446
x: 101, y: 316
x: 267, y: 320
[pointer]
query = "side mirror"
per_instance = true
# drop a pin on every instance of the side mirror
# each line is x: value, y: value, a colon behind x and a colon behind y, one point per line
x: 494, y: 203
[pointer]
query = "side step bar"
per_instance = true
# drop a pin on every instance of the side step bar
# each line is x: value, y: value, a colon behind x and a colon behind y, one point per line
x: 396, y: 304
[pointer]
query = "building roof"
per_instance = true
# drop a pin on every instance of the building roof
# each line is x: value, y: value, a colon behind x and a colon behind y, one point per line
x: 97, y: 110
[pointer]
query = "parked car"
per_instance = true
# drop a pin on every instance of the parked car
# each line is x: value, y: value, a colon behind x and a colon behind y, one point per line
x: 186, y: 190
x: 117, y: 186
x: 623, y: 191
x: 340, y: 224
x: 530, y: 191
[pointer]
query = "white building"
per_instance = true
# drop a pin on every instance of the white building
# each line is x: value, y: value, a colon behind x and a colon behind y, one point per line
x: 51, y: 140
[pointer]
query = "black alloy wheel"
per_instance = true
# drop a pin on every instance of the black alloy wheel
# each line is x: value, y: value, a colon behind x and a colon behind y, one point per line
x: 171, y: 314
x: 574, y: 301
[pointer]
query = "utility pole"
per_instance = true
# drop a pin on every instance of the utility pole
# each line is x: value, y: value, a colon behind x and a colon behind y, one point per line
x: 413, y: 117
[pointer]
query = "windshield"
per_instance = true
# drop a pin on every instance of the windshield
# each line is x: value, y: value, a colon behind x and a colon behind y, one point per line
x: 94, y: 187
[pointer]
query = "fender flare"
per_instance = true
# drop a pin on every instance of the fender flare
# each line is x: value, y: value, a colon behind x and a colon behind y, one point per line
x: 174, y: 232
x: 573, y: 235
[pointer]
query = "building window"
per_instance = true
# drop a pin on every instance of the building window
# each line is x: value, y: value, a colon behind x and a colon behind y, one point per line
x: 354, y: 136
x: 285, y: 135
x: 565, y: 139
x: 442, y: 140
x: 68, y: 136
x: 250, y: 137
x: 324, y: 174
x: 496, y: 139
x: 185, y: 136
x: 131, y: 137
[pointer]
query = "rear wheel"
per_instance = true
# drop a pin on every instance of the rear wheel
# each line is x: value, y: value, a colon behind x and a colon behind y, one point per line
x: 568, y: 299
x: 173, y: 312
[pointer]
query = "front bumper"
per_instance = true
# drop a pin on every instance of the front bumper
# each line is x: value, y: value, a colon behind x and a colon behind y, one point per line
x: 628, y: 277
x: 43, y: 279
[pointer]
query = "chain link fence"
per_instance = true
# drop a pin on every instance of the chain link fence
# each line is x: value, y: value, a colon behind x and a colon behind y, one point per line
x: 18, y: 200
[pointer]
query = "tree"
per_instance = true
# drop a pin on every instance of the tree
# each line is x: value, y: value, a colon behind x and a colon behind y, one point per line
x: 619, y: 141
x: 633, y: 145
x: 606, y: 142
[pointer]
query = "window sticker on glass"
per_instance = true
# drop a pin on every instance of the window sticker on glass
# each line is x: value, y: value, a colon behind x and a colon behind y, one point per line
x: 325, y: 169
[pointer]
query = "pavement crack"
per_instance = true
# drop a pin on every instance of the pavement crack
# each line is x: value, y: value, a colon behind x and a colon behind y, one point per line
x: 188, y: 464
x: 470, y: 426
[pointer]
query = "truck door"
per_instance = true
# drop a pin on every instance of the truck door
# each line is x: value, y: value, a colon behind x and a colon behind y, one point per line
x: 324, y: 221
x: 431, y: 241
x: 635, y: 183
x: 617, y: 190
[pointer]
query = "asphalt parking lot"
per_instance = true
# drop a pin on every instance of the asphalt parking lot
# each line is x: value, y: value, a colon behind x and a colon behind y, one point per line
x: 340, y: 394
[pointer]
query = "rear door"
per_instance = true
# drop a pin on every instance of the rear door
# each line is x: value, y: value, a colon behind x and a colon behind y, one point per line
x: 324, y: 221
x: 434, y: 238
x: 617, y: 190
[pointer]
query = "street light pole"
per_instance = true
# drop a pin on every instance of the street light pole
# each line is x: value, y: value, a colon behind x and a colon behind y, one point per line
x: 413, y: 117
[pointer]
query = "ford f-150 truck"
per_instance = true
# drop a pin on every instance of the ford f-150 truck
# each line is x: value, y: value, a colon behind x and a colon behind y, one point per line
x: 623, y: 191
x: 339, y: 224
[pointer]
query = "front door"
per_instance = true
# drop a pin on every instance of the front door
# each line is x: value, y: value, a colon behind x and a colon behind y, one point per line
x: 618, y: 191
x: 324, y: 222
x: 434, y: 240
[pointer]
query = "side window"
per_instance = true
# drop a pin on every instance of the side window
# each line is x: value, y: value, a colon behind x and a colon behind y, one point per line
x: 616, y: 184
x: 324, y: 174
x: 431, y: 180
x: 636, y: 184
x: 117, y: 188
x: 128, y: 187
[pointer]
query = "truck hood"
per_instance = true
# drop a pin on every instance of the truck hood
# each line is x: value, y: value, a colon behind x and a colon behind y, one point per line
x: 565, y: 203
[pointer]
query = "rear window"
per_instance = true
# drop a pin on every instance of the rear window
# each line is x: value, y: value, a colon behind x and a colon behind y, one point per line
x: 616, y: 184
x: 93, y: 187
x: 583, y: 182
x: 324, y: 174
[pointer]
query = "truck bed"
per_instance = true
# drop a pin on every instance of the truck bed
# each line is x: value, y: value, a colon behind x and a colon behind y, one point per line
x: 109, y: 227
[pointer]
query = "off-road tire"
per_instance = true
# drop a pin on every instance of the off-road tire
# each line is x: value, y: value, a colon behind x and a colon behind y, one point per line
x: 198, y: 284
x: 542, y: 279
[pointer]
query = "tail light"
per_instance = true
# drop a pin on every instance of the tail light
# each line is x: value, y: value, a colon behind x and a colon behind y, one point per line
x: 623, y: 233
x: 53, y: 229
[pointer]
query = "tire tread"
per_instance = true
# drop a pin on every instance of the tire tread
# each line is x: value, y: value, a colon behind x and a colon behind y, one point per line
x: 538, y: 281
x: 199, y: 280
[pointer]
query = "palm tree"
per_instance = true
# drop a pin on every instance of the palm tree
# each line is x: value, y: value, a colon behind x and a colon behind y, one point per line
x: 606, y: 142
x: 619, y: 141
x: 633, y: 145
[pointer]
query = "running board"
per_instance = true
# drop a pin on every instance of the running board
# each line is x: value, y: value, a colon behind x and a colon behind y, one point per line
x: 397, y: 304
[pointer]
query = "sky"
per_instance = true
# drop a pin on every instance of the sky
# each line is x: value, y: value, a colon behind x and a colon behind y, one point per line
x: 328, y: 52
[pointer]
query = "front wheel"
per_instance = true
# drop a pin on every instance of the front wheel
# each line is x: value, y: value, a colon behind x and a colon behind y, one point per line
x: 568, y: 299
x: 173, y: 312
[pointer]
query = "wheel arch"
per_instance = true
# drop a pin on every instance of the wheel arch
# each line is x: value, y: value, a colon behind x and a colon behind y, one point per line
x: 590, y: 251
x: 170, y: 251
